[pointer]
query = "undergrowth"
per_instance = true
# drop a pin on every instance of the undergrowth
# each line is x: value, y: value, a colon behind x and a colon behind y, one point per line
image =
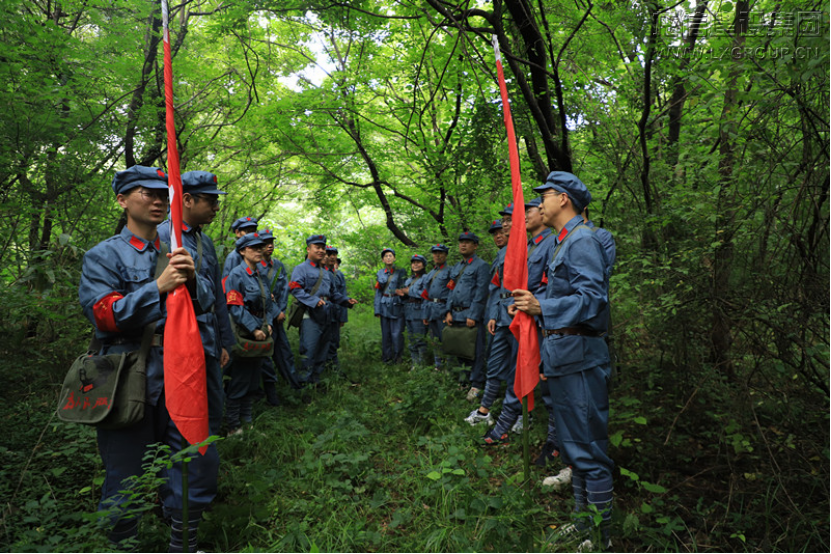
x: 381, y: 460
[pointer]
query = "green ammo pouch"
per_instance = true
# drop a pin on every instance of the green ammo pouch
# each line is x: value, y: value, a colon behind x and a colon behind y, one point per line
x: 249, y: 347
x: 459, y: 341
x: 295, y: 315
x: 297, y: 309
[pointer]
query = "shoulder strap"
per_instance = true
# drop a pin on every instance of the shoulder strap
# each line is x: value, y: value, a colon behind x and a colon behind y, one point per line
x: 389, y: 280
x: 556, y: 250
x: 198, y: 251
x: 273, y: 280
x: 147, y: 335
x: 262, y: 297
x: 318, y: 282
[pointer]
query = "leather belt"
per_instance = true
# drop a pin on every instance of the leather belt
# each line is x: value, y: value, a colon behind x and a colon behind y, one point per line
x: 437, y: 300
x: 158, y: 340
x: 574, y: 331
x: 413, y: 300
x: 460, y: 308
x: 387, y: 295
x: 505, y: 295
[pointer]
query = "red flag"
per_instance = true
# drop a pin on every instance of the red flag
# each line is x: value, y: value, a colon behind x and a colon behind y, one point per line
x: 186, y: 390
x: 523, y: 326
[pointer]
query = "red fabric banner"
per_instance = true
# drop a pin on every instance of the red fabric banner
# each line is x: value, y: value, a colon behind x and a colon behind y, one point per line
x: 186, y: 390
x: 523, y: 326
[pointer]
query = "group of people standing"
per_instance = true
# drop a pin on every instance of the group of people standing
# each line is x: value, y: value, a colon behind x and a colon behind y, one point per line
x: 570, y: 262
x: 123, y: 290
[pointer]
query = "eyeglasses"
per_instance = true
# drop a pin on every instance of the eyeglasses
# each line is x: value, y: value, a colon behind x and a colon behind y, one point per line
x: 154, y: 194
x: 213, y: 200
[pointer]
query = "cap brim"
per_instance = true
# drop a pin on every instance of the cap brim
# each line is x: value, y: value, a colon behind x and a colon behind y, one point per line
x: 146, y: 183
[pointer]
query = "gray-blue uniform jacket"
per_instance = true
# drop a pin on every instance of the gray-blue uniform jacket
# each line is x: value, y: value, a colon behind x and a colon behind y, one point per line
x: 413, y: 301
x: 608, y: 242
x: 215, y: 325
x: 232, y: 260
x: 468, y: 290
x: 540, y: 249
x: 499, y: 298
x: 576, y: 297
x: 118, y: 294
x: 387, y: 303
x: 245, y: 299
x: 303, y: 279
x: 341, y: 314
x: 276, y: 279
x: 435, y: 292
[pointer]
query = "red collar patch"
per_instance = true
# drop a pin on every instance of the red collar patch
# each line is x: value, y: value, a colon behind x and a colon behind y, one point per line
x: 249, y: 271
x: 470, y: 260
x: 313, y: 264
x: 538, y: 239
x: 562, y: 235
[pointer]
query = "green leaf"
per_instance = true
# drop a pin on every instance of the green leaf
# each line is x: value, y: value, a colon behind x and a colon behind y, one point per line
x: 631, y: 474
x: 434, y: 475
x: 651, y: 487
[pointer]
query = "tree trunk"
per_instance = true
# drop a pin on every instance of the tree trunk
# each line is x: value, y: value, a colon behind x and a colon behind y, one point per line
x: 720, y: 333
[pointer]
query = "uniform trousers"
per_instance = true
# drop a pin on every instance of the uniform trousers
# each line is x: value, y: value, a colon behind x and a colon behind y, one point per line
x: 122, y: 452
x: 436, y: 326
x: 416, y: 333
x: 334, y: 345
x: 216, y: 394
x: 392, y: 339
x: 581, y: 407
x: 245, y: 379
x: 283, y: 358
x: 314, y: 347
x: 476, y: 372
x: 501, y: 363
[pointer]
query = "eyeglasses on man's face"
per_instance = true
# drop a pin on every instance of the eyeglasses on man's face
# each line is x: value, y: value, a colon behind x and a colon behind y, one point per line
x: 212, y: 199
x: 151, y: 195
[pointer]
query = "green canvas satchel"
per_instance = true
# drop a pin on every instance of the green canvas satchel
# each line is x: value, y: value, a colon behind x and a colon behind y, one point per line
x: 459, y: 341
x: 298, y: 309
x: 109, y: 391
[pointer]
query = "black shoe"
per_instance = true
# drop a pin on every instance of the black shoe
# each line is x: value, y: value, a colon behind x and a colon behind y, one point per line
x: 546, y: 456
x: 271, y: 396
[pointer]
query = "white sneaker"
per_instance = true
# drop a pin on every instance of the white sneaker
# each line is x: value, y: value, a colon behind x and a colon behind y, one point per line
x: 588, y: 546
x: 517, y: 428
x: 472, y: 394
x: 560, y: 481
x: 477, y: 417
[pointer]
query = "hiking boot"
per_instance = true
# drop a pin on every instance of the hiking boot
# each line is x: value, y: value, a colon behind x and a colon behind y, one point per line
x: 473, y: 394
x: 560, y: 481
x: 517, y: 427
x: 478, y: 417
x: 492, y: 439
